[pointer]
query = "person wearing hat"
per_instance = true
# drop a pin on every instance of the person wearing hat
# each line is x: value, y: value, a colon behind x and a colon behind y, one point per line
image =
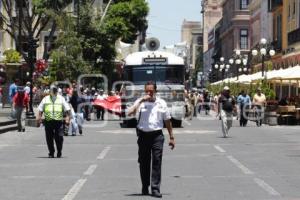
x: 225, y: 110
x: 20, y: 101
x: 259, y: 102
x: 53, y: 107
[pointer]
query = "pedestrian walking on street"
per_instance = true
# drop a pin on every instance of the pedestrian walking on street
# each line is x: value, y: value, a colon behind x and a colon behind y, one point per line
x: 100, y: 111
x: 244, y: 102
x: 152, y: 113
x: 225, y: 110
x: 193, y: 99
x: 259, y: 103
x: 13, y: 89
x: 11, y: 93
x: 77, y: 104
x: 206, y: 99
x: 54, y: 106
x: 27, y: 88
x: 20, y: 101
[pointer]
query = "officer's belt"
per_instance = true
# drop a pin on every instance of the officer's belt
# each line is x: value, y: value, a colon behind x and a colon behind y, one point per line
x: 157, y: 132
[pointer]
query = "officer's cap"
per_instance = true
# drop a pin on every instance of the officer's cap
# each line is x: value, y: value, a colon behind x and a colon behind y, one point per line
x: 226, y: 88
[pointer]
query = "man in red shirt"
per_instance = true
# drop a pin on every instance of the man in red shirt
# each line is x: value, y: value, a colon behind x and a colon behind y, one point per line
x: 20, y: 101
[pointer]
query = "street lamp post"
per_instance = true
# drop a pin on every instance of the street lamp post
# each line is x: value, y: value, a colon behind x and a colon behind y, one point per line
x: 265, y: 49
x: 222, y: 67
x: 32, y: 48
x: 237, y: 60
x: 201, y: 76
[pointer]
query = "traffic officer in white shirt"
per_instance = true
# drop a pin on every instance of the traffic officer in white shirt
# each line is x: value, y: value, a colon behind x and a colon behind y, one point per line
x: 152, y: 113
x: 53, y: 106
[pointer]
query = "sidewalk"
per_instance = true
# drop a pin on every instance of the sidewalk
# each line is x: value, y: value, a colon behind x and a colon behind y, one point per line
x: 6, y: 122
x: 4, y: 113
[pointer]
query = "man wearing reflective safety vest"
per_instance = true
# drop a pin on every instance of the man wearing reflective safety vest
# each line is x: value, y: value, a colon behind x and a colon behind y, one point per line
x: 54, y: 106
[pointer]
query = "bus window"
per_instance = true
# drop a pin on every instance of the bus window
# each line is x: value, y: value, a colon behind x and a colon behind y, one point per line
x: 161, y: 74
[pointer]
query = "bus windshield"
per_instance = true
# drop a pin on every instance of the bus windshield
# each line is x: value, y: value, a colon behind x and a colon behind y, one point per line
x: 162, y: 74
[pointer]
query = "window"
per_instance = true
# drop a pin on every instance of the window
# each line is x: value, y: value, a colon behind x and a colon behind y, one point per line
x: 170, y: 74
x: 244, y: 4
x: 243, y: 39
x: 294, y: 7
x: 279, y: 28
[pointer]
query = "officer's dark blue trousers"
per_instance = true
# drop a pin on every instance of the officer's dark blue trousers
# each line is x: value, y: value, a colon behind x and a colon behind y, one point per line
x: 150, y: 148
x: 54, y: 131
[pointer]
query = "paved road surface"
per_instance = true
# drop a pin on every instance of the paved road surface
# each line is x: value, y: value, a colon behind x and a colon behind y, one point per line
x: 253, y: 163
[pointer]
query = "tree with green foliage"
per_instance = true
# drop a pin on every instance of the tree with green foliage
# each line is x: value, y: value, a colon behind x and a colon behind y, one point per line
x: 93, y: 36
x: 25, y: 18
x: 67, y: 61
x: 12, y: 56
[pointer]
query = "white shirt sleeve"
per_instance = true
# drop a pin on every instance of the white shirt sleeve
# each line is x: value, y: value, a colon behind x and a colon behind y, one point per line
x: 65, y: 104
x: 166, y: 113
x: 41, y: 105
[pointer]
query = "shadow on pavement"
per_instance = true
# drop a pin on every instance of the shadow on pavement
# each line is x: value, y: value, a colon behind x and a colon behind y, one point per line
x: 141, y: 195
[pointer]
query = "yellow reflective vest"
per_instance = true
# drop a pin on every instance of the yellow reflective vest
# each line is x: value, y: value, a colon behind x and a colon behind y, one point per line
x: 53, y: 110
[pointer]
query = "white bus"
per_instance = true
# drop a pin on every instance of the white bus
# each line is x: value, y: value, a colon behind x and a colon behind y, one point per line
x: 165, y: 69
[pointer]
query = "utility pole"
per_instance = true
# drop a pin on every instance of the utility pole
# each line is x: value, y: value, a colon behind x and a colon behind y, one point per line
x: 32, y: 48
x: 20, y: 24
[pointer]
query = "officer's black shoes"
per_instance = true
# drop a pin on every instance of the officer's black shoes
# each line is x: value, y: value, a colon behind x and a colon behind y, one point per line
x: 51, y: 155
x: 80, y: 131
x: 156, y: 194
x: 59, y: 154
x: 145, y: 191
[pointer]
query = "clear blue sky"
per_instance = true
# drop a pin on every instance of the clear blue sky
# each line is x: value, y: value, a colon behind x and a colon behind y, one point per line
x: 166, y: 16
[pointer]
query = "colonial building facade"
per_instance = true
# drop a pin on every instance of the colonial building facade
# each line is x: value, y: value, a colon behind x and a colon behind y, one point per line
x: 235, y: 27
x: 211, y: 15
x: 191, y: 33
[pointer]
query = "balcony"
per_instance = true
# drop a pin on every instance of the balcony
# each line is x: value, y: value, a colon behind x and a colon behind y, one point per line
x: 273, y: 4
x: 294, y: 36
x: 277, y: 45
